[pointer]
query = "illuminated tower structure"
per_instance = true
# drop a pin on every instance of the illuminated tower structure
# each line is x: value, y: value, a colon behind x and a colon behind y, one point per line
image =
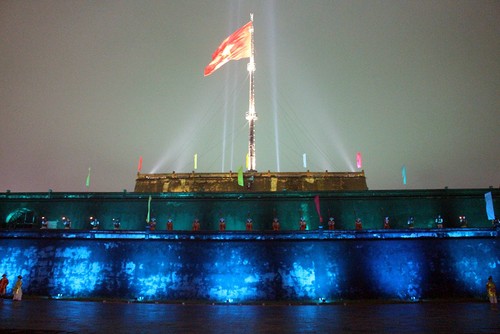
x: 239, y: 45
x: 251, y: 115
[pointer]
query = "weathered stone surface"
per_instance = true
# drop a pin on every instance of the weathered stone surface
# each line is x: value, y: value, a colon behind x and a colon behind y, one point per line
x: 253, y: 182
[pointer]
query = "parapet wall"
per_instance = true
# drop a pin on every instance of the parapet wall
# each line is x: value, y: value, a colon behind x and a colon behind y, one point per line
x: 183, y: 208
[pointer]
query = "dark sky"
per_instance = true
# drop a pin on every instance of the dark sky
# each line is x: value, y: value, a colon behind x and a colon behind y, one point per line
x: 99, y: 83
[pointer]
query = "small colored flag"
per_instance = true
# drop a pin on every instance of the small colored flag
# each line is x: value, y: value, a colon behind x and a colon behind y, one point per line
x: 316, y: 201
x: 490, y: 211
x: 240, y: 177
x: 403, y: 174
x: 87, y: 182
x: 196, y: 161
x: 139, y: 166
x: 148, y: 217
x: 359, y: 160
x: 247, y: 161
x: 236, y: 46
x: 304, y: 160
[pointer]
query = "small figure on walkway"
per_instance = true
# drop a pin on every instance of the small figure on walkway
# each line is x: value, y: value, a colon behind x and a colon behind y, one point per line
x: 302, y: 224
x: 411, y: 222
x: 116, y: 223
x: 222, y: 224
x: 196, y: 224
x: 463, y: 221
x: 45, y: 223
x: 66, y: 222
x: 387, y: 224
x: 439, y: 221
x: 3, y: 284
x: 276, y: 224
x: 170, y: 224
x: 358, y: 225
x: 331, y: 223
x: 94, y: 223
x: 18, y: 290
x: 152, y: 224
x: 492, y: 293
x: 249, y: 224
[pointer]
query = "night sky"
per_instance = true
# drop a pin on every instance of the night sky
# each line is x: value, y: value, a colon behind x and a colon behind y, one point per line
x: 100, y: 83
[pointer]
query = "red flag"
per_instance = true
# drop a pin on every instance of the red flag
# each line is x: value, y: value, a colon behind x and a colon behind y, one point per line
x: 316, y: 201
x: 139, y: 167
x: 236, y: 46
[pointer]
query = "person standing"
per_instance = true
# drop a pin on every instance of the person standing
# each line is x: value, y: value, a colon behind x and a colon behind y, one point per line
x: 196, y: 224
x: 276, y: 224
x: 331, y: 223
x: 249, y: 224
x: 3, y: 284
x: 302, y: 224
x: 18, y: 290
x: 222, y: 224
x: 358, y: 224
x: 387, y: 224
x: 170, y: 224
x: 492, y: 293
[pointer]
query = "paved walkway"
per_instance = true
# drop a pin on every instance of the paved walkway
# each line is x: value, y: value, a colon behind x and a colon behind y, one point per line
x: 59, y: 316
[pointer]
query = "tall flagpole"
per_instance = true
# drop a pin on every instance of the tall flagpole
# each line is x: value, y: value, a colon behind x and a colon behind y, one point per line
x: 251, y: 115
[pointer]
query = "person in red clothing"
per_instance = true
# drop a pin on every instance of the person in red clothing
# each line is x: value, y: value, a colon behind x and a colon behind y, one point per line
x: 276, y: 224
x: 170, y: 224
x: 331, y: 223
x: 302, y: 224
x: 249, y: 224
x: 387, y: 224
x: 222, y: 224
x: 358, y: 224
x: 3, y: 284
x: 152, y: 224
x: 196, y: 224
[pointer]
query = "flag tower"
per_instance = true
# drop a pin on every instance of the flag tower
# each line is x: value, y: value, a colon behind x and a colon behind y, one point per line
x: 251, y: 115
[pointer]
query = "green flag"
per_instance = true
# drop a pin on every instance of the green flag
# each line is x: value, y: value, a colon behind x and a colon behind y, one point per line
x: 240, y: 177
x: 149, y: 210
x: 87, y: 182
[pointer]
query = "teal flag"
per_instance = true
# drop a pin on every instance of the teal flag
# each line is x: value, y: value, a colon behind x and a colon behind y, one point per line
x: 403, y: 174
x: 240, y: 177
x: 490, y: 211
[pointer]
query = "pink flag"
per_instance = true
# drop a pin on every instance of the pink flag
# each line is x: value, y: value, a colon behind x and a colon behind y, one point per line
x: 359, y: 160
x: 316, y: 201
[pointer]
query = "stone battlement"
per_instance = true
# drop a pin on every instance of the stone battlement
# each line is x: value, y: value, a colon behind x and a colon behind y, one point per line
x: 253, y: 182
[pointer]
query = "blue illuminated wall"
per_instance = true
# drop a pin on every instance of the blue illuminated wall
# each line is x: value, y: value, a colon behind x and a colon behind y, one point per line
x: 250, y: 267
